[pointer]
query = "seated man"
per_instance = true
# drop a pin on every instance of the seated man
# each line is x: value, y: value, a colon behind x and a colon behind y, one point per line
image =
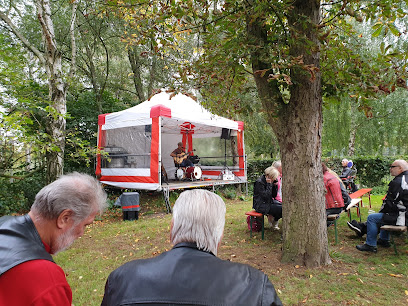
x: 392, y: 212
x: 191, y: 273
x: 347, y: 175
x: 264, y: 199
x: 181, y: 157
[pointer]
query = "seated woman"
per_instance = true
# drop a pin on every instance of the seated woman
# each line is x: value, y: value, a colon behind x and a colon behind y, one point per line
x: 334, y: 198
x: 265, y: 191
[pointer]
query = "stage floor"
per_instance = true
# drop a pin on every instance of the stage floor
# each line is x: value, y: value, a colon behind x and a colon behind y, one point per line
x: 186, y: 184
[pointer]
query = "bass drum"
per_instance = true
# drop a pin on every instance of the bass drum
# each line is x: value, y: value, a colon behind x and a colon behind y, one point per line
x: 179, y: 174
x: 194, y: 173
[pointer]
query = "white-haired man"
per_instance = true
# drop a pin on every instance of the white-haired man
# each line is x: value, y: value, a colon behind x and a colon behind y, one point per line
x: 190, y: 273
x: 59, y: 215
x: 394, y: 210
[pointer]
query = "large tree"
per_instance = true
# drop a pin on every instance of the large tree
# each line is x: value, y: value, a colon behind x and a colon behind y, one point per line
x: 279, y: 43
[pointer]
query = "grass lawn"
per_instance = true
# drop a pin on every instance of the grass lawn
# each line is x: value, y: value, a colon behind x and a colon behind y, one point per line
x: 353, y: 278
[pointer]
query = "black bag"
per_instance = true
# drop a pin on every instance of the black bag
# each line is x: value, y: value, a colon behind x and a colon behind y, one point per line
x: 345, y: 195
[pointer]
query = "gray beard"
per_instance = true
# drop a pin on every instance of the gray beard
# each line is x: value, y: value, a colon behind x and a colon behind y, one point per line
x: 64, y: 241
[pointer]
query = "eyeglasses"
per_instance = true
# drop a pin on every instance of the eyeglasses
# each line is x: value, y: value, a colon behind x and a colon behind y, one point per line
x: 393, y: 166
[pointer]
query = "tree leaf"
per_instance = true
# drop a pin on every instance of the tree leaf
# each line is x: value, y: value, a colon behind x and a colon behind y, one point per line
x: 377, y: 32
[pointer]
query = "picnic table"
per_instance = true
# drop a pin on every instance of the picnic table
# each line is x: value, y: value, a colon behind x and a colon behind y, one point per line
x: 357, y: 200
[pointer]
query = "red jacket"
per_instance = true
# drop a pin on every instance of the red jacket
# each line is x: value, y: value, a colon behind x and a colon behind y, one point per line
x: 334, y: 198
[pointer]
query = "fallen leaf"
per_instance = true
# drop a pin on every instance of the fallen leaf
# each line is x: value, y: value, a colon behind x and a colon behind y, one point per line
x: 280, y: 292
x: 297, y: 266
x: 394, y: 275
x: 310, y: 276
x: 360, y: 280
x: 406, y: 292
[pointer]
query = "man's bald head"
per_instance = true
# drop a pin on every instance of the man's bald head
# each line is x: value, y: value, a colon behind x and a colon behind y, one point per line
x: 398, y: 166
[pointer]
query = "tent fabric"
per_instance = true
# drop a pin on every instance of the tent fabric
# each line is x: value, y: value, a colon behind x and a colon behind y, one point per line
x: 141, y: 138
x: 178, y: 107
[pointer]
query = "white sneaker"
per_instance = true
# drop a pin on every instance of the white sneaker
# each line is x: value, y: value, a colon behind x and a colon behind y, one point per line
x: 275, y: 225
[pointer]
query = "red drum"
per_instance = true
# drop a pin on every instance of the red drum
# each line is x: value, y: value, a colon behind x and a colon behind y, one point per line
x: 193, y: 172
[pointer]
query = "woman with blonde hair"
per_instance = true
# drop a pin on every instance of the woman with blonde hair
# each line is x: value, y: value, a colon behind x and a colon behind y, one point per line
x: 265, y: 191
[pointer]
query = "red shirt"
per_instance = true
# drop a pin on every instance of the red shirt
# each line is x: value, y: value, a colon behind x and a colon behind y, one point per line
x: 334, y: 198
x: 35, y: 282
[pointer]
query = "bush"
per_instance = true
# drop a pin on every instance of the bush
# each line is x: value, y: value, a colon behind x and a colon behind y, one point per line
x: 17, y: 196
x: 11, y: 198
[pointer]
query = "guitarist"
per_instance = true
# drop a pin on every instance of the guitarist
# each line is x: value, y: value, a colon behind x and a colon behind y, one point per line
x: 181, y: 157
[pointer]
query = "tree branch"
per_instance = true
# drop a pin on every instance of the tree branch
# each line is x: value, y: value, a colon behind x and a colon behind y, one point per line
x: 21, y: 37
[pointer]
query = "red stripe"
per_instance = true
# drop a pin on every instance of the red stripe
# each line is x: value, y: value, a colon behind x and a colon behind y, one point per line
x: 130, y: 206
x: 129, y: 179
x: 160, y: 110
x: 102, y: 119
x: 154, y: 151
x: 101, y: 145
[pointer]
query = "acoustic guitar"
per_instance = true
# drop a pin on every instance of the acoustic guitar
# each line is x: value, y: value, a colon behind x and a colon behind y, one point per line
x: 181, y: 157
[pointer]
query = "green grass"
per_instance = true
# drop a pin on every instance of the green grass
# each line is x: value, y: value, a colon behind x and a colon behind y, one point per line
x: 353, y: 278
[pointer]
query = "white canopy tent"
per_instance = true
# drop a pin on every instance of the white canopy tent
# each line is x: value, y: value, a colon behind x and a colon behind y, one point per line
x: 136, y: 143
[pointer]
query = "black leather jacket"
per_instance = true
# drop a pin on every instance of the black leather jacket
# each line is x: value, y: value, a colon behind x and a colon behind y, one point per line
x: 264, y: 193
x: 188, y: 276
x: 395, y: 204
x: 345, y: 173
x: 19, y: 242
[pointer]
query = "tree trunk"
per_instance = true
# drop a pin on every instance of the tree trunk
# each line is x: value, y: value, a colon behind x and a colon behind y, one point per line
x: 153, y: 65
x: 135, y: 65
x: 57, y: 92
x: 297, y: 125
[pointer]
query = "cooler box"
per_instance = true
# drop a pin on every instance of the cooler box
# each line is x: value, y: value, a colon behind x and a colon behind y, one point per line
x: 130, y: 205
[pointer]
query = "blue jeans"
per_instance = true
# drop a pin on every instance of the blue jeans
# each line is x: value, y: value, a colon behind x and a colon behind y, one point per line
x: 374, y: 222
x: 187, y: 163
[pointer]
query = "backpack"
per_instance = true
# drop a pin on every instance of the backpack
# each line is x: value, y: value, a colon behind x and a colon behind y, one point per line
x: 256, y: 224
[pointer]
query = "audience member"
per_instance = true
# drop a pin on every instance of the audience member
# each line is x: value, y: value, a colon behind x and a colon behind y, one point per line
x: 264, y: 198
x: 278, y: 165
x: 191, y: 273
x: 345, y: 173
x: 344, y: 193
x: 334, y: 200
x: 59, y: 215
x: 392, y: 212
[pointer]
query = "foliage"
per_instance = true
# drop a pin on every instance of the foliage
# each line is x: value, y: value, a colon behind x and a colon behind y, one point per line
x: 82, y: 127
x: 11, y: 197
x: 256, y: 168
x: 17, y: 195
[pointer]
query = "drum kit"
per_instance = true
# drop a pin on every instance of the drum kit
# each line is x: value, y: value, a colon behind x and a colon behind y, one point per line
x: 193, y: 173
